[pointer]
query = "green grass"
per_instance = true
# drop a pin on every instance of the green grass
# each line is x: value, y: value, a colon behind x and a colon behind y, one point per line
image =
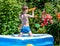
x: 57, y: 45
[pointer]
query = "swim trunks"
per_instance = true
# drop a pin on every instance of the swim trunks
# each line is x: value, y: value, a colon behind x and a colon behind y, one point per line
x: 25, y: 29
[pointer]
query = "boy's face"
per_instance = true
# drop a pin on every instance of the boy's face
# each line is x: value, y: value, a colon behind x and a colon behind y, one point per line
x: 26, y: 11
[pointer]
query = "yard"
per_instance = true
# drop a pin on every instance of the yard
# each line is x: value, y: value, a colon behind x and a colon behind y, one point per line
x: 11, y: 24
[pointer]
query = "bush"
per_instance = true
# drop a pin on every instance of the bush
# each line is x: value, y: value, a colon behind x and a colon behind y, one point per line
x: 9, y: 11
x: 54, y: 30
x: 49, y: 7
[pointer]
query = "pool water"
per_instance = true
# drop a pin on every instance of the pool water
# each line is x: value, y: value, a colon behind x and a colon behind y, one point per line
x: 37, y: 40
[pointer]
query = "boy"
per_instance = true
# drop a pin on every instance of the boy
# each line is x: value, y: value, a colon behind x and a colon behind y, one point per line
x: 24, y: 19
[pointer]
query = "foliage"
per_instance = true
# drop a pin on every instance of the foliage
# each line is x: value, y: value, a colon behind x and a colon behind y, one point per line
x: 52, y: 7
x: 54, y: 30
x: 49, y: 7
x: 9, y: 11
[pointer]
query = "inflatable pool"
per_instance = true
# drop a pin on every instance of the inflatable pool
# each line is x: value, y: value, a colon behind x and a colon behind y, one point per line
x: 25, y: 40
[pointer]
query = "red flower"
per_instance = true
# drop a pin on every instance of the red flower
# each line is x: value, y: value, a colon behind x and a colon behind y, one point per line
x: 48, y: 16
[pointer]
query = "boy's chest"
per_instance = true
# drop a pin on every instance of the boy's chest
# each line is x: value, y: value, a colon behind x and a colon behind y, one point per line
x: 24, y: 17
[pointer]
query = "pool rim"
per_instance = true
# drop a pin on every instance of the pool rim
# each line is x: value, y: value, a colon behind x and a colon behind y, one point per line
x: 25, y: 38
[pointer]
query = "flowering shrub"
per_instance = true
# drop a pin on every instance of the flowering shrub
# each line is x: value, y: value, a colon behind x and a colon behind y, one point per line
x: 46, y: 18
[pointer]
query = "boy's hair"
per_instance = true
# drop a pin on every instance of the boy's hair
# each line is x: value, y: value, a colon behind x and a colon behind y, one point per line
x: 25, y: 7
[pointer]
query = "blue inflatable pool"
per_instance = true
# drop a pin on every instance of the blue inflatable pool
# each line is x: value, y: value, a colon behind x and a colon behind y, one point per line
x: 36, y: 40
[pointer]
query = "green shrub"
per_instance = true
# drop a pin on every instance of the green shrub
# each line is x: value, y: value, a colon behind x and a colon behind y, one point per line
x: 49, y: 7
x: 9, y: 11
x: 54, y: 30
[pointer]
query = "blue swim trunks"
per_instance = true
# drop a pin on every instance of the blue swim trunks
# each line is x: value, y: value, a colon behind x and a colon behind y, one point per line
x: 25, y: 29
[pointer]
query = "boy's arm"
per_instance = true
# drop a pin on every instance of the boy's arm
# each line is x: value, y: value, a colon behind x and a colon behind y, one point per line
x: 19, y: 16
x: 32, y: 14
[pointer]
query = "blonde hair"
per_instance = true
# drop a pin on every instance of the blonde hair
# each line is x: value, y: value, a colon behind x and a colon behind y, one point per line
x: 25, y: 7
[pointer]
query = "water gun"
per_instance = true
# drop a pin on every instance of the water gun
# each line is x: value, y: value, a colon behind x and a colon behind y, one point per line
x: 32, y: 9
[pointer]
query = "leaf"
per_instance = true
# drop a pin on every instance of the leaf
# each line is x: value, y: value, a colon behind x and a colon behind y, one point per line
x: 37, y: 25
x: 38, y: 0
x: 1, y: 0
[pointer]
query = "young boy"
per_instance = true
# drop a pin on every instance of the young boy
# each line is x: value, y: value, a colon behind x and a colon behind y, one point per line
x: 24, y: 19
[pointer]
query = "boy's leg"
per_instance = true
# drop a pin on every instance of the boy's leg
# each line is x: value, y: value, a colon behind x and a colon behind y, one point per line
x: 20, y: 34
x: 30, y: 34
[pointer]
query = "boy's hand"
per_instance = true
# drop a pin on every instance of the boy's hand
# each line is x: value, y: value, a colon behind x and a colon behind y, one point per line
x: 32, y: 9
